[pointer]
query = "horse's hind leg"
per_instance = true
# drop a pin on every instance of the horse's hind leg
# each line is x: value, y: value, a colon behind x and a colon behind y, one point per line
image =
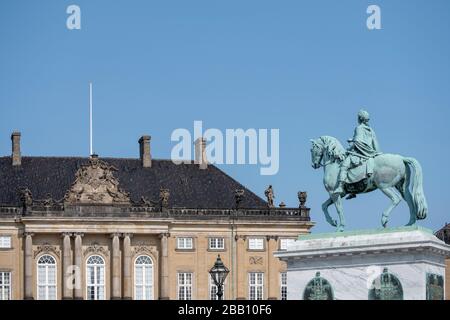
x: 395, y: 200
x: 325, y: 206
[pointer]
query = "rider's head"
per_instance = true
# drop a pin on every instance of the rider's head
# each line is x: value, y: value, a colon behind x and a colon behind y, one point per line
x: 363, y: 116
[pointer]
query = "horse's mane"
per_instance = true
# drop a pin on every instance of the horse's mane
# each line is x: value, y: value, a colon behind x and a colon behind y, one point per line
x: 333, y: 147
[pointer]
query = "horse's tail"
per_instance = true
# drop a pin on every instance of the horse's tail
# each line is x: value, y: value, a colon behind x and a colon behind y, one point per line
x: 420, y: 203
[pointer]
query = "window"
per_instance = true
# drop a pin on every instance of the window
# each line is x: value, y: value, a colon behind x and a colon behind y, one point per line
x: 46, y: 278
x: 216, y: 244
x: 5, y: 285
x: 5, y: 242
x: 184, y: 243
x: 95, y: 278
x: 213, y: 289
x: 143, y: 278
x: 284, y: 243
x: 184, y: 286
x: 283, y: 285
x: 256, y: 285
x: 256, y: 244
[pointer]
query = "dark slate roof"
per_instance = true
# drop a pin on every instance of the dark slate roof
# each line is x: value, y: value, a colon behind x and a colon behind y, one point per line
x: 189, y: 186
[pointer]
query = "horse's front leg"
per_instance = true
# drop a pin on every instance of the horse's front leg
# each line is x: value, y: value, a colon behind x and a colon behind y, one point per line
x: 325, y: 206
x: 337, y: 200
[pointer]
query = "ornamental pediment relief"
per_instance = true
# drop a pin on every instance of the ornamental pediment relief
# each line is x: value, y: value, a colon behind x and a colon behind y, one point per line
x: 143, y: 248
x: 95, y: 184
x: 46, y: 248
x: 95, y: 248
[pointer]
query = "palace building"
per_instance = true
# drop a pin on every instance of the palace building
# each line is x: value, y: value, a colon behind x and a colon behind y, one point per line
x: 444, y: 235
x: 113, y: 228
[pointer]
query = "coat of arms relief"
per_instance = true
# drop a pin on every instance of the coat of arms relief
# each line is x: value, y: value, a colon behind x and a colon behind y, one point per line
x: 95, y: 184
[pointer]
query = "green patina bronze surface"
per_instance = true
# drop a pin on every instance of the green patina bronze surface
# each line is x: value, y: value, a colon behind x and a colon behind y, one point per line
x: 435, y: 287
x: 363, y: 232
x: 318, y: 289
x: 386, y: 287
x: 362, y: 168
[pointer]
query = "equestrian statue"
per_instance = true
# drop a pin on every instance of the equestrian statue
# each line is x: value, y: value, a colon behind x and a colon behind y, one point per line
x: 364, y: 168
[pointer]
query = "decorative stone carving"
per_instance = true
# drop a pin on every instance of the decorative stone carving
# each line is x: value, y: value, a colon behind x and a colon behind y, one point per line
x: 26, y: 197
x: 147, y: 203
x: 95, y: 248
x: 96, y: 184
x: 48, y: 201
x: 143, y: 248
x: 302, y: 196
x: 270, y: 196
x: 238, y: 196
x: 268, y: 238
x: 70, y: 234
x: 256, y: 260
x: 46, y: 248
x: 164, y: 195
x: 164, y: 235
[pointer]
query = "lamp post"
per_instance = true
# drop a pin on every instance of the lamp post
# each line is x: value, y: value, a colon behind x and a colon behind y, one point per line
x: 218, y: 274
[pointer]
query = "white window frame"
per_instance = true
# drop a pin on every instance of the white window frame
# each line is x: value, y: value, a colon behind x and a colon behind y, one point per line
x: 184, y: 286
x: 283, y: 285
x: 258, y: 286
x: 214, y: 243
x: 5, y: 242
x: 284, y: 242
x: 143, y: 287
x: 213, y: 289
x: 185, y: 243
x: 97, y: 283
x: 255, y: 243
x: 45, y: 282
x: 4, y: 286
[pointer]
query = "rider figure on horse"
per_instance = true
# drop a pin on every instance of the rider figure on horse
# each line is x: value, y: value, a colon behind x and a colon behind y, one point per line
x: 364, y: 146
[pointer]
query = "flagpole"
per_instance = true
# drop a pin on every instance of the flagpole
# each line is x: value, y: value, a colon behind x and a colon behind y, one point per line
x: 90, y: 119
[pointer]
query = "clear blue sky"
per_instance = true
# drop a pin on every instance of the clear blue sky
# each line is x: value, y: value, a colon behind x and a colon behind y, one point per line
x: 305, y: 67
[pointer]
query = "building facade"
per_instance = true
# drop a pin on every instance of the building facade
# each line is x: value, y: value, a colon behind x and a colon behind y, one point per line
x: 444, y: 235
x: 91, y: 228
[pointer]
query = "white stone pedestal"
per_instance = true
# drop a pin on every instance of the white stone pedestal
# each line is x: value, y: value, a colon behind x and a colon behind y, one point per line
x: 351, y: 264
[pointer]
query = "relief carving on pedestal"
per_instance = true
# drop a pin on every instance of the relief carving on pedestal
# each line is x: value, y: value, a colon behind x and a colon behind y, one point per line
x: 435, y: 287
x: 386, y: 287
x: 96, y: 184
x: 318, y: 289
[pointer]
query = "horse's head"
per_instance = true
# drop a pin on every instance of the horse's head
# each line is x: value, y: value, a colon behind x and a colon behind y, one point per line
x: 326, y: 150
x: 316, y: 153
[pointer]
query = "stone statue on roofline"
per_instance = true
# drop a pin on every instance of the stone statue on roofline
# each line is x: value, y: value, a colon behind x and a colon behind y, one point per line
x: 270, y: 196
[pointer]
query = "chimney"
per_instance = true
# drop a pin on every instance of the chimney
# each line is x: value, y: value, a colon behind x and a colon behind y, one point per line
x: 200, y: 153
x: 16, y: 157
x: 144, y: 150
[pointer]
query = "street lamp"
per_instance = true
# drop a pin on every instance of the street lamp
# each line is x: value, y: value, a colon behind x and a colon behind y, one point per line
x: 218, y: 274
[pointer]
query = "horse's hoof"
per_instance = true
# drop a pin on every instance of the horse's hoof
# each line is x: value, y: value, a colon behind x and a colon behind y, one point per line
x: 333, y: 222
x: 384, y: 222
x: 340, y: 229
